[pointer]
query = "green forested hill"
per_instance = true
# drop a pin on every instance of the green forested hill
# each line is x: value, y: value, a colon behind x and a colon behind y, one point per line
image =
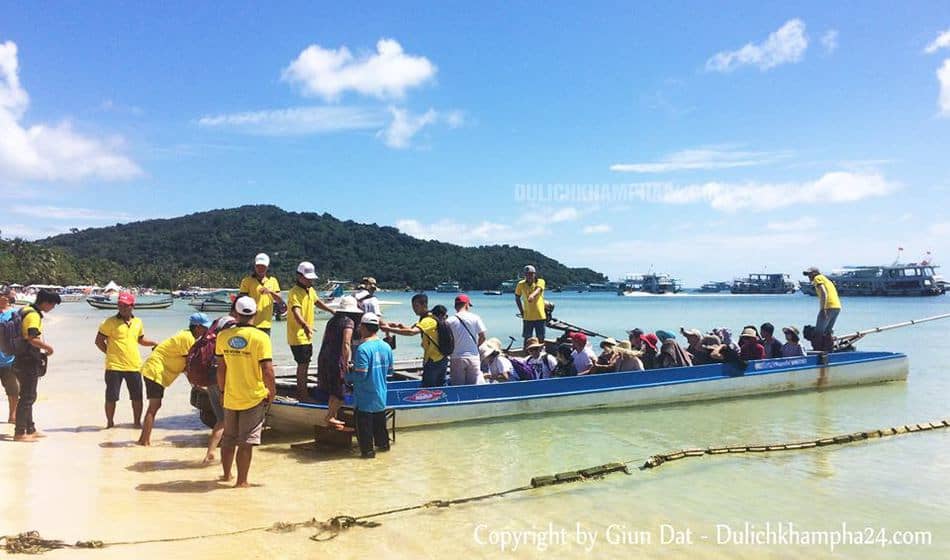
x: 216, y: 248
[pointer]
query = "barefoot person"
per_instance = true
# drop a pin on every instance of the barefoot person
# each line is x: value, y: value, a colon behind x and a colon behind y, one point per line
x: 7, y: 377
x: 373, y: 362
x: 163, y: 367
x: 301, y: 301
x: 335, y: 355
x: 118, y: 338
x: 29, y: 362
x: 214, y: 392
x: 246, y: 376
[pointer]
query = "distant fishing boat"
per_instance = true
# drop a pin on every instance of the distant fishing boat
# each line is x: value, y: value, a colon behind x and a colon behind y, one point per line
x: 657, y: 284
x: 492, y: 293
x: 218, y: 301
x: 106, y: 302
x: 771, y: 283
x: 910, y: 279
x: 448, y: 287
x: 714, y: 287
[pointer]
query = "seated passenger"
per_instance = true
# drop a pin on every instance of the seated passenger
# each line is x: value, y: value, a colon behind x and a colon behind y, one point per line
x: 697, y: 353
x: 565, y: 362
x: 749, y: 347
x: 725, y: 335
x: 540, y: 362
x: 497, y: 367
x: 629, y: 358
x: 773, y: 348
x: 671, y: 354
x: 609, y: 359
x: 650, y: 349
x: 583, y: 356
x: 792, y: 347
x: 710, y: 351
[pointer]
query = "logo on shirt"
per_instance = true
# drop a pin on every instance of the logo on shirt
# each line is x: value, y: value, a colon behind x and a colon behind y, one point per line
x: 425, y: 395
x: 238, y: 342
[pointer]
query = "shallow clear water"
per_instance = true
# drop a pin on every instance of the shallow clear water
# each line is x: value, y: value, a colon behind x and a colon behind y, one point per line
x: 86, y: 483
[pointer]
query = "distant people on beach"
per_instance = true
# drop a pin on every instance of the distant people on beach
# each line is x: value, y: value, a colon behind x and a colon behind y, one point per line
x: 336, y: 352
x: 468, y: 332
x: 7, y: 376
x: 119, y: 337
x: 246, y: 377
x: 372, y: 364
x: 30, y: 355
x: 529, y: 297
x: 829, y: 307
x: 264, y: 289
x: 163, y: 366
x: 434, y: 361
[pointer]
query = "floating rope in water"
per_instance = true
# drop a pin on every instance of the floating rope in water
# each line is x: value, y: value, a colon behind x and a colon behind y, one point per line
x: 32, y: 543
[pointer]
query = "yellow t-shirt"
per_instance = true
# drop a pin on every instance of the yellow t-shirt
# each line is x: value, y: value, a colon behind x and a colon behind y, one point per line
x: 243, y: 349
x: 304, y: 298
x: 831, y: 293
x: 532, y: 311
x: 32, y: 320
x: 430, y: 333
x: 251, y: 286
x: 167, y: 361
x: 122, y: 346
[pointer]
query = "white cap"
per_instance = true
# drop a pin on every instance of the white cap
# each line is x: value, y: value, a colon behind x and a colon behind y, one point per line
x: 529, y: 268
x: 306, y: 269
x: 246, y: 306
x: 262, y: 258
x: 370, y: 319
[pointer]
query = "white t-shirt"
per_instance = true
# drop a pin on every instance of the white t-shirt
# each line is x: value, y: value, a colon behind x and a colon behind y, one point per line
x: 543, y: 365
x: 500, y: 365
x: 584, y: 359
x: 371, y: 305
x: 465, y: 344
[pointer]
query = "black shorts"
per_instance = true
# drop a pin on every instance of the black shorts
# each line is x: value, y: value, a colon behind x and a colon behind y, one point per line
x: 303, y: 353
x: 153, y: 390
x: 133, y: 382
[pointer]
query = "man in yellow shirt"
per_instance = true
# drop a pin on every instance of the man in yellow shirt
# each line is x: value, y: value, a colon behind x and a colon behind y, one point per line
x: 29, y: 362
x: 529, y: 296
x: 301, y: 301
x: 434, y: 362
x: 164, y: 365
x: 118, y: 338
x: 264, y: 289
x: 829, y: 306
x: 246, y: 377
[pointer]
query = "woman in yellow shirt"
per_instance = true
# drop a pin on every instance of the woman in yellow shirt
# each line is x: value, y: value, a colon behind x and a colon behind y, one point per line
x: 162, y: 368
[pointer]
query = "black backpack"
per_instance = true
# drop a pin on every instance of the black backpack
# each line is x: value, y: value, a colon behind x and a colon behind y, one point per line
x: 446, y: 340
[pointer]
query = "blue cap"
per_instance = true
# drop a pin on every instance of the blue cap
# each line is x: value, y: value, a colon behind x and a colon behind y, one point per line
x: 199, y: 319
x: 665, y: 335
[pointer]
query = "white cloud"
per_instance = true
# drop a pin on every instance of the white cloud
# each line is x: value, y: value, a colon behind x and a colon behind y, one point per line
x: 940, y: 230
x: 482, y: 233
x: 385, y: 74
x: 595, y: 229
x: 66, y: 213
x: 45, y: 152
x: 805, y: 223
x: 297, y: 120
x: 404, y: 126
x: 701, y: 158
x: 830, y: 188
x: 829, y: 40
x: 941, y: 42
x: 566, y: 214
x: 943, y: 76
x: 786, y: 45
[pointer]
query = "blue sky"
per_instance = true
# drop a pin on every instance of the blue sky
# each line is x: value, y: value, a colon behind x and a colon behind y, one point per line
x: 705, y: 140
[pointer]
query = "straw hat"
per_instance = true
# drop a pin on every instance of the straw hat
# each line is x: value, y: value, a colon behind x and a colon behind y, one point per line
x: 792, y: 331
x: 608, y: 342
x: 486, y: 351
x: 710, y: 340
x: 533, y: 343
x: 749, y: 332
x: 625, y: 344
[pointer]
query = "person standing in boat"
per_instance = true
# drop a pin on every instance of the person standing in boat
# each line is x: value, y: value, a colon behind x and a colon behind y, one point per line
x: 7, y: 376
x: 264, y: 289
x: 372, y: 364
x: 829, y: 306
x: 29, y: 362
x: 301, y: 300
x: 336, y: 352
x: 468, y: 330
x: 118, y: 338
x: 245, y: 375
x: 529, y: 296
x: 434, y: 362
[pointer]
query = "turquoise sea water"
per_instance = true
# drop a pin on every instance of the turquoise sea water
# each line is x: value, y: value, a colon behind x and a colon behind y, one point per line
x: 881, y: 485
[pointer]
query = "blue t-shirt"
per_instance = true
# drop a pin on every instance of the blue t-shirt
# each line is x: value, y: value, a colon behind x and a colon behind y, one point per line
x: 6, y: 361
x: 374, y: 360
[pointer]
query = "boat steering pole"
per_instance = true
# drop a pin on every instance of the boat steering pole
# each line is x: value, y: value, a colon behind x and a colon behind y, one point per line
x: 848, y: 339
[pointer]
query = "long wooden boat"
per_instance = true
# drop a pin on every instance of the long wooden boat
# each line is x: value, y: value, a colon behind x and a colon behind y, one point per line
x: 102, y: 302
x: 417, y: 406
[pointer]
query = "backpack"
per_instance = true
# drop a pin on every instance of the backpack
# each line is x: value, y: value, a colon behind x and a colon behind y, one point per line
x: 522, y: 371
x: 200, y: 359
x: 12, y: 341
x: 446, y: 340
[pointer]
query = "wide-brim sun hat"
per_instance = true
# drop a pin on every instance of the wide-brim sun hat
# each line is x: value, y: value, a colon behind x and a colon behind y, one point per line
x: 750, y: 333
x: 348, y: 305
x: 487, y: 350
x: 608, y: 342
x: 533, y: 343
